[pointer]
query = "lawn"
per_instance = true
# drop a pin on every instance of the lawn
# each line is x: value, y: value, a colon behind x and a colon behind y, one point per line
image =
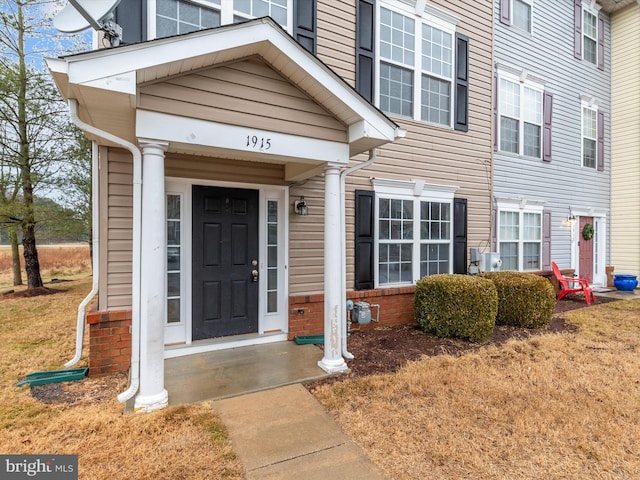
x: 181, y: 442
x: 556, y: 406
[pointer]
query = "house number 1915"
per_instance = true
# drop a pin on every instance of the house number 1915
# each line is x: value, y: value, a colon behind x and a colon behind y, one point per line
x: 259, y: 143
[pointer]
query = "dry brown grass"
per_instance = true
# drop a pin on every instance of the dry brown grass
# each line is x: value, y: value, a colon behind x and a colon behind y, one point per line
x: 176, y: 443
x: 555, y: 406
x: 56, y: 261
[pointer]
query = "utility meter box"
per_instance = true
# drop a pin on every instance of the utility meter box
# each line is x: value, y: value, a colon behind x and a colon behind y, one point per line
x: 492, y: 262
x: 362, y: 312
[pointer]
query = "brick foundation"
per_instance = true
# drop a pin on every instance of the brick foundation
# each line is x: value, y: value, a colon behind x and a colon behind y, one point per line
x: 109, y: 342
x: 306, y: 312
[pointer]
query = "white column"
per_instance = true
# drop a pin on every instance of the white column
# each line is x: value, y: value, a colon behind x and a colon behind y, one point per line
x: 332, y: 362
x: 153, y: 262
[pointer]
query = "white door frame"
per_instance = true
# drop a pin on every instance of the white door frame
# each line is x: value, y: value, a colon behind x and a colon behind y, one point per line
x: 272, y: 326
x: 599, y: 244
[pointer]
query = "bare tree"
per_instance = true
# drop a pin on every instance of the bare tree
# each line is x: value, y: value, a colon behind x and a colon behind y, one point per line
x: 36, y: 136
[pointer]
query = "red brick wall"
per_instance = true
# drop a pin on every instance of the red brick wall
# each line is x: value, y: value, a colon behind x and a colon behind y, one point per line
x: 109, y: 342
x: 306, y: 312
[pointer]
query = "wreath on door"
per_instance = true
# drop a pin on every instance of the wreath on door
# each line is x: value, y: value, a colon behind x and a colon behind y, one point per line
x: 587, y: 231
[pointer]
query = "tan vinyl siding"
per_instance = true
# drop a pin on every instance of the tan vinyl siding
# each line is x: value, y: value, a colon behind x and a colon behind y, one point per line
x: 625, y: 165
x: 223, y: 170
x: 434, y: 154
x: 248, y: 94
x: 116, y: 219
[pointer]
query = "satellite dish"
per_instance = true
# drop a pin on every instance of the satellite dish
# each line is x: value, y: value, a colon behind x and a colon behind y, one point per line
x: 79, y: 15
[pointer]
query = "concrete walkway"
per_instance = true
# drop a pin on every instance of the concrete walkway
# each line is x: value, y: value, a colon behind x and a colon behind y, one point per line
x: 284, y: 433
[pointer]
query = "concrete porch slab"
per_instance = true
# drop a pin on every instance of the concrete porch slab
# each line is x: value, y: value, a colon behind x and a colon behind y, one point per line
x: 237, y: 371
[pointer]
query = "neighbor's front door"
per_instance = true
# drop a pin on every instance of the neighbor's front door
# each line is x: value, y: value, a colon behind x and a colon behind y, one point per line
x: 585, y: 252
x: 225, y: 262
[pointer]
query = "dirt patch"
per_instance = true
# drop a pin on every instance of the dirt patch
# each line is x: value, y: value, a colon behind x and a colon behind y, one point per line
x: 81, y: 392
x: 30, y: 292
x: 386, y: 349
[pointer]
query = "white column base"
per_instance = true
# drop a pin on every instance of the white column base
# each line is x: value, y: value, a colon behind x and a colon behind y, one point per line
x: 150, y: 403
x: 333, y: 366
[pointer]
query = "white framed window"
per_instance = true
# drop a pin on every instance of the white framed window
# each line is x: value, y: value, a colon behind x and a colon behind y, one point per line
x: 522, y: 14
x: 519, y: 237
x: 174, y: 254
x: 414, y: 231
x: 520, y: 113
x: 174, y: 17
x: 416, y: 59
x: 589, y: 136
x: 590, y: 35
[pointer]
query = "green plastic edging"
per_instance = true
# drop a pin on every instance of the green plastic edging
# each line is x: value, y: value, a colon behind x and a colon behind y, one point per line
x: 309, y: 339
x: 53, y: 376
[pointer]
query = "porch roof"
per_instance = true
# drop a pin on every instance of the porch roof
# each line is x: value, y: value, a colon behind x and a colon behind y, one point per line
x: 106, y: 82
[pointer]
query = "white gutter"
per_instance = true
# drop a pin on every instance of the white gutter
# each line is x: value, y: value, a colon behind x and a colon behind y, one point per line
x: 134, y: 382
x: 343, y: 248
x: 95, y: 265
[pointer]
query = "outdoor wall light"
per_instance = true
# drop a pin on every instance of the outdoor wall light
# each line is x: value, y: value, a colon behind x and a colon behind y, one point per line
x: 571, y: 219
x: 300, y: 206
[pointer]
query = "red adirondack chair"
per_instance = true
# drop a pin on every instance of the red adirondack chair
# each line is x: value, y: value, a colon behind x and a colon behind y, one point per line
x: 573, y: 285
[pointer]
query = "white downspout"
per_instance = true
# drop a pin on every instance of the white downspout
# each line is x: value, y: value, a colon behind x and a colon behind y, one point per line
x: 134, y: 382
x: 343, y: 247
x: 95, y: 265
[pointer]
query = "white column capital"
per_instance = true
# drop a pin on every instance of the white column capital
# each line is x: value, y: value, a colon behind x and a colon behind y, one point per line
x: 148, y: 144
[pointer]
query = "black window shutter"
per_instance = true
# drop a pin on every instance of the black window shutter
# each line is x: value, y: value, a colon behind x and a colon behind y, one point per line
x: 547, y: 106
x: 505, y: 11
x: 131, y: 15
x: 364, y: 241
x: 461, y: 121
x: 305, y: 23
x: 577, y: 29
x: 546, y: 240
x: 600, y: 43
x: 365, y: 47
x: 460, y: 235
x: 600, y: 152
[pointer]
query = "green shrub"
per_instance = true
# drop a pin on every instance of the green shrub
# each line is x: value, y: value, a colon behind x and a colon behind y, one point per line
x: 524, y: 299
x: 459, y: 306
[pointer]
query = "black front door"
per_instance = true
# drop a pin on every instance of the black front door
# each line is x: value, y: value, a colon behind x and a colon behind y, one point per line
x: 225, y: 262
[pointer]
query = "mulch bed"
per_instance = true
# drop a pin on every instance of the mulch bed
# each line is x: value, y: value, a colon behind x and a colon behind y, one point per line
x: 385, y: 349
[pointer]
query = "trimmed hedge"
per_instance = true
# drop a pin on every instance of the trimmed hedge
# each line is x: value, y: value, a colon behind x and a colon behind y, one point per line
x: 459, y: 306
x: 524, y: 299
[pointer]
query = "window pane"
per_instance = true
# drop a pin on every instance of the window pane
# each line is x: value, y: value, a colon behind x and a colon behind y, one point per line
x: 396, y: 90
x: 173, y: 259
x: 509, y: 226
x: 509, y: 255
x: 590, y: 25
x: 167, y: 8
x: 434, y: 258
x: 532, y: 226
x: 509, y: 135
x: 589, y: 153
x: 509, y: 98
x: 531, y: 256
x: 532, y: 108
x: 436, y: 100
x: 589, y: 123
x: 272, y: 302
x: 397, y: 35
x: 173, y: 310
x: 436, y: 51
x: 173, y: 232
x: 532, y: 140
x: 166, y: 27
x: 522, y: 15
x: 189, y: 13
x: 173, y: 284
